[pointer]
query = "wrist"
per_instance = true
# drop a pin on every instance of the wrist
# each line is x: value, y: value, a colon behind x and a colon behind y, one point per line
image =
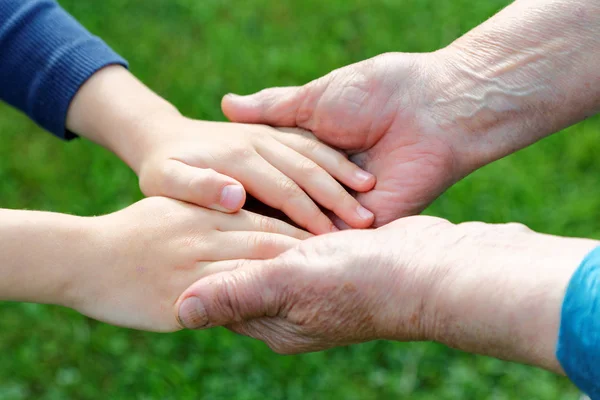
x: 117, y: 111
x: 502, y: 292
x: 40, y: 254
x: 414, y: 266
x: 481, y: 115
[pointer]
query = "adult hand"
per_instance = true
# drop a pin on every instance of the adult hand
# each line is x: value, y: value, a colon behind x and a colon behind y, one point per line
x: 420, y: 122
x: 490, y: 289
x: 377, y: 110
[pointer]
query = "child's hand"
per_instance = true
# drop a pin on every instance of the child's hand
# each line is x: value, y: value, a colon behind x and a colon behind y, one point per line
x: 142, y: 258
x: 205, y: 162
x: 284, y: 170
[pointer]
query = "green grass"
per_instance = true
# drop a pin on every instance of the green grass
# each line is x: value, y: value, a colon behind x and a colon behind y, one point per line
x: 192, y: 52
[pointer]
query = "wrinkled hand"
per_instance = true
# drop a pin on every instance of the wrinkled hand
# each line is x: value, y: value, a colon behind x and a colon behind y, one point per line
x: 332, y: 290
x: 489, y: 289
x: 382, y: 111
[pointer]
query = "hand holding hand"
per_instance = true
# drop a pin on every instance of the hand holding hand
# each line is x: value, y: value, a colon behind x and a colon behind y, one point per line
x: 210, y: 163
x: 488, y: 289
x: 332, y: 290
x: 380, y: 111
x: 141, y: 258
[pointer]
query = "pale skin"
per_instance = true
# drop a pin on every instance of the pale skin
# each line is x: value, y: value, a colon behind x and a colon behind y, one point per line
x: 420, y: 122
x: 130, y: 267
x: 211, y: 163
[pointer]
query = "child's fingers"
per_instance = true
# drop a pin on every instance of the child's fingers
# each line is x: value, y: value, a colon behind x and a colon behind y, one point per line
x: 249, y: 221
x: 318, y: 184
x: 246, y: 245
x: 331, y: 160
x: 202, y: 186
x: 275, y: 189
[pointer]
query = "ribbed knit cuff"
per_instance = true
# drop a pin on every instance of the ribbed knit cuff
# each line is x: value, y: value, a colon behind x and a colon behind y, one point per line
x: 45, y: 57
x: 50, y: 99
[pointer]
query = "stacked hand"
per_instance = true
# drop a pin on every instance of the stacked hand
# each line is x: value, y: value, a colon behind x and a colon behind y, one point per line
x: 381, y: 111
x: 212, y: 164
x: 490, y: 289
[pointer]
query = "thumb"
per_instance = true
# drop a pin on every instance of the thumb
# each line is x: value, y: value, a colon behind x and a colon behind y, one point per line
x: 242, y: 292
x: 282, y: 106
x: 201, y: 186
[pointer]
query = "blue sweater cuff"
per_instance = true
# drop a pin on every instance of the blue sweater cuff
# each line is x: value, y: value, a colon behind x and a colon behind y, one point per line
x: 46, y: 57
x: 74, y: 65
x: 578, y: 349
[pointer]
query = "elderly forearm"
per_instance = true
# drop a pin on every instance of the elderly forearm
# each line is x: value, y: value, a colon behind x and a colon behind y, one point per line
x: 39, y: 254
x: 503, y: 291
x: 528, y: 72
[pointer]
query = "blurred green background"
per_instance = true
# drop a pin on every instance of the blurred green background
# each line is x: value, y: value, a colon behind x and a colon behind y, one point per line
x: 192, y: 52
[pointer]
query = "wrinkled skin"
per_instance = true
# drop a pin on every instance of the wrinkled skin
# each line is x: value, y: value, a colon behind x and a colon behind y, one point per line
x: 483, y: 288
x: 383, y: 112
x: 332, y: 290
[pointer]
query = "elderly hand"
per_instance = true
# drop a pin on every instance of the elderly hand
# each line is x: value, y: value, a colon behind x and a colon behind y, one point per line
x: 420, y: 122
x: 379, y: 111
x: 491, y: 289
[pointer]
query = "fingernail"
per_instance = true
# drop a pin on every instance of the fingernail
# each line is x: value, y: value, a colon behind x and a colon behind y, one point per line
x: 231, y: 197
x: 232, y: 95
x: 363, y: 176
x: 192, y: 314
x: 363, y: 213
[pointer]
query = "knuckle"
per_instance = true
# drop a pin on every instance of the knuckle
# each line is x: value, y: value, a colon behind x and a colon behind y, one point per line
x: 162, y: 181
x: 196, y: 185
x: 204, y: 178
x: 239, y: 152
x: 473, y: 226
x: 264, y: 224
x: 309, y: 168
x: 289, y: 188
x: 312, y: 145
x: 255, y: 241
x: 517, y: 227
x: 226, y: 301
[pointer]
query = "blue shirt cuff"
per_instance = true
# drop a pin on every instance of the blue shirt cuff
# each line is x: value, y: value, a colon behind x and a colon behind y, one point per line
x: 578, y: 349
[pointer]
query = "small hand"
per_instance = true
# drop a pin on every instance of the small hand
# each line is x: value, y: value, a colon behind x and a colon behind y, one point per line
x: 143, y: 257
x: 282, y: 169
x: 210, y: 163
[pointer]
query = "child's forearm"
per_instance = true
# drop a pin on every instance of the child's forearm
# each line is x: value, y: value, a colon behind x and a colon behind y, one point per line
x: 112, y: 109
x: 40, y: 253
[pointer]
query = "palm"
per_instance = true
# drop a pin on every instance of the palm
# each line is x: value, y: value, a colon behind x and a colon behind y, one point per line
x: 375, y: 110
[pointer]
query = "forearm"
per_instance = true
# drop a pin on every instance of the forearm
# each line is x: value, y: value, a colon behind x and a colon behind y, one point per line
x: 528, y: 72
x: 112, y: 109
x: 503, y: 291
x: 40, y: 253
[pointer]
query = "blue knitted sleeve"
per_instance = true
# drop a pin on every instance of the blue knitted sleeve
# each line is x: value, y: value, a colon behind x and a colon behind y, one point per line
x: 45, y: 57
